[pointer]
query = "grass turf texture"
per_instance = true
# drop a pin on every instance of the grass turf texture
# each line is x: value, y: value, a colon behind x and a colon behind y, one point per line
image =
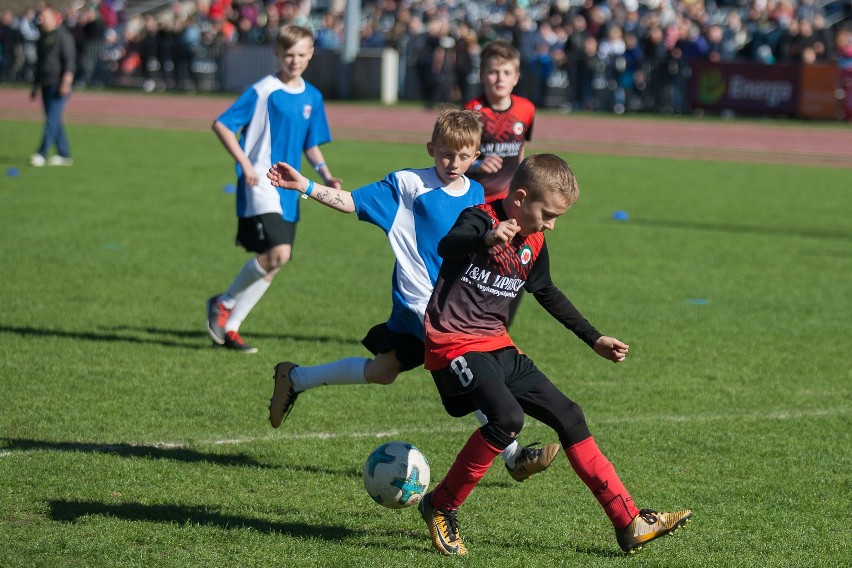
x: 125, y: 439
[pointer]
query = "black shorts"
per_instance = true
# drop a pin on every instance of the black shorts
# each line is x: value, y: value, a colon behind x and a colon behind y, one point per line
x: 505, y: 367
x: 263, y: 232
x: 410, y: 350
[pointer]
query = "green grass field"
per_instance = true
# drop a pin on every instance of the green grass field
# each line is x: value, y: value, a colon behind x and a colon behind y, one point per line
x: 127, y: 440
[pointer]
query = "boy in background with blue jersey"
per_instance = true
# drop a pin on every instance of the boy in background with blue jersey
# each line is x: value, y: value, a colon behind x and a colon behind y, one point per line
x: 415, y: 208
x: 276, y: 119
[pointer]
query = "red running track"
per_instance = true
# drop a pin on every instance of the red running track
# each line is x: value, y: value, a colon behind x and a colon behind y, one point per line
x: 685, y: 138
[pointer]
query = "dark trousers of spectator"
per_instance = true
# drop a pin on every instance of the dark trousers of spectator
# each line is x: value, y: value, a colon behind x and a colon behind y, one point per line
x: 54, y: 130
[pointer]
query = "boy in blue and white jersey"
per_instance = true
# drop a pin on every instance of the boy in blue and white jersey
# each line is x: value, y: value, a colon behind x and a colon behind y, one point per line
x: 277, y: 119
x: 415, y: 208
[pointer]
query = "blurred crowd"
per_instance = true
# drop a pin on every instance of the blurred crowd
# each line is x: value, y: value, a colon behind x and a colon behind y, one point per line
x: 611, y: 54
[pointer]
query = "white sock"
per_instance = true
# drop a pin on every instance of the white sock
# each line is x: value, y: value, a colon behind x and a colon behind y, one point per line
x: 509, y: 454
x: 247, y: 300
x: 349, y: 371
x: 250, y: 273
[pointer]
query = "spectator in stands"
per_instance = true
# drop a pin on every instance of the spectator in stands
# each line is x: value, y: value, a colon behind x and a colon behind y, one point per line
x: 29, y: 31
x: 9, y: 41
x: 371, y: 36
x: 465, y: 52
x: 330, y: 32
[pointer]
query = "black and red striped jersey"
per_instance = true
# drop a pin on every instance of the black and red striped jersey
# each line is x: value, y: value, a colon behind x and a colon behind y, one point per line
x: 469, y: 306
x: 504, y: 133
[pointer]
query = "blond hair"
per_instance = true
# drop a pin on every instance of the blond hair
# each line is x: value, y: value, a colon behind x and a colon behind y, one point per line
x: 540, y: 174
x: 501, y: 51
x: 458, y: 129
x: 290, y: 35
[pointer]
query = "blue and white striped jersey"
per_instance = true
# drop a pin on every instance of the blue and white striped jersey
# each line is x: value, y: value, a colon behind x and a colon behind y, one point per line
x: 277, y: 124
x: 415, y: 210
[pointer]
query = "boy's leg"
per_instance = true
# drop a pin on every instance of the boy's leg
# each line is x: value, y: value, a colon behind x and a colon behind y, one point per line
x: 226, y: 312
x: 254, y: 280
x: 548, y: 404
x: 633, y: 527
x: 348, y: 371
x: 395, y: 353
x: 243, y: 301
x: 483, y: 388
x: 220, y: 306
x: 270, y: 236
x: 290, y: 380
x: 522, y: 462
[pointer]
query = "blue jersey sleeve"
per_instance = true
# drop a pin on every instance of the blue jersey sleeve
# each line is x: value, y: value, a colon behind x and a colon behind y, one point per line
x: 378, y: 202
x: 318, y: 130
x: 239, y: 114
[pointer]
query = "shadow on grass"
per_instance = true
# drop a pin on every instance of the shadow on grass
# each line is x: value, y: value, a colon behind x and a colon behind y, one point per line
x: 104, y: 337
x: 203, y: 335
x: 71, y: 511
x: 601, y: 552
x: 747, y: 229
x: 157, y: 452
x: 192, y: 339
x: 138, y: 451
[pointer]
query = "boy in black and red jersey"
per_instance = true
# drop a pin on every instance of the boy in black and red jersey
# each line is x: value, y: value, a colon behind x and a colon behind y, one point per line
x: 507, y: 122
x: 507, y: 119
x: 491, y: 252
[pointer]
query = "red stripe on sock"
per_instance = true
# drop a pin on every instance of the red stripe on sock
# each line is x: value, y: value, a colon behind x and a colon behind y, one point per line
x: 599, y: 476
x: 470, y: 466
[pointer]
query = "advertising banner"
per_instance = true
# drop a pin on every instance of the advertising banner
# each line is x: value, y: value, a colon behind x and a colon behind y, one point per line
x: 744, y: 88
x: 847, y: 86
x: 818, y: 98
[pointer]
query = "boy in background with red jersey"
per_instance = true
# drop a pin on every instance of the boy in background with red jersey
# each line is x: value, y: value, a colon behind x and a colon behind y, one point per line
x: 507, y: 119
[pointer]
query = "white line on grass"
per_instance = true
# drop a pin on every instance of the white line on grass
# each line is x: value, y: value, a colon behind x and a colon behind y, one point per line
x: 465, y: 426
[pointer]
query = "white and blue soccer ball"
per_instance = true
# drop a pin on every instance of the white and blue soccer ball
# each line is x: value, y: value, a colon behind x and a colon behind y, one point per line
x: 396, y: 475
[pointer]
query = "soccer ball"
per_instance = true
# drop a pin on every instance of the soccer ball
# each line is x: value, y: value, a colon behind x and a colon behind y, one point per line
x: 396, y: 475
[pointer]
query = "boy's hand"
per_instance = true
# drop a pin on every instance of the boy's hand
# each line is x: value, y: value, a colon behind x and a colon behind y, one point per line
x: 611, y: 348
x: 502, y: 233
x: 252, y: 179
x: 285, y: 176
x: 490, y: 165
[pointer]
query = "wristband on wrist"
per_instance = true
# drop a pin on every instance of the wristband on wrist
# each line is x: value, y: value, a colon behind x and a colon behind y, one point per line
x: 476, y: 164
x: 309, y: 190
x: 319, y: 166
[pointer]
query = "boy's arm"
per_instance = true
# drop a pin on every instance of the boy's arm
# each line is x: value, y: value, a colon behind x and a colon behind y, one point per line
x: 232, y: 145
x: 315, y: 157
x: 468, y: 235
x: 286, y: 176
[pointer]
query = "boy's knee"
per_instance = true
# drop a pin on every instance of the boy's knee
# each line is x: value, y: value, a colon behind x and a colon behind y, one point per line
x: 383, y: 370
x: 274, y: 258
x: 572, y: 425
x: 498, y: 437
x: 382, y: 378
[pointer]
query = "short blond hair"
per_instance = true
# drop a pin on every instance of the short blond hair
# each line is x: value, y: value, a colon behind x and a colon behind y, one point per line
x: 290, y: 35
x: 458, y: 129
x: 500, y: 51
x: 540, y: 174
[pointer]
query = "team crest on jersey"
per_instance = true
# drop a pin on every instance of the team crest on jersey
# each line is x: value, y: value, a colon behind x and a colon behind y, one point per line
x: 525, y: 255
x: 306, y: 111
x: 518, y: 128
